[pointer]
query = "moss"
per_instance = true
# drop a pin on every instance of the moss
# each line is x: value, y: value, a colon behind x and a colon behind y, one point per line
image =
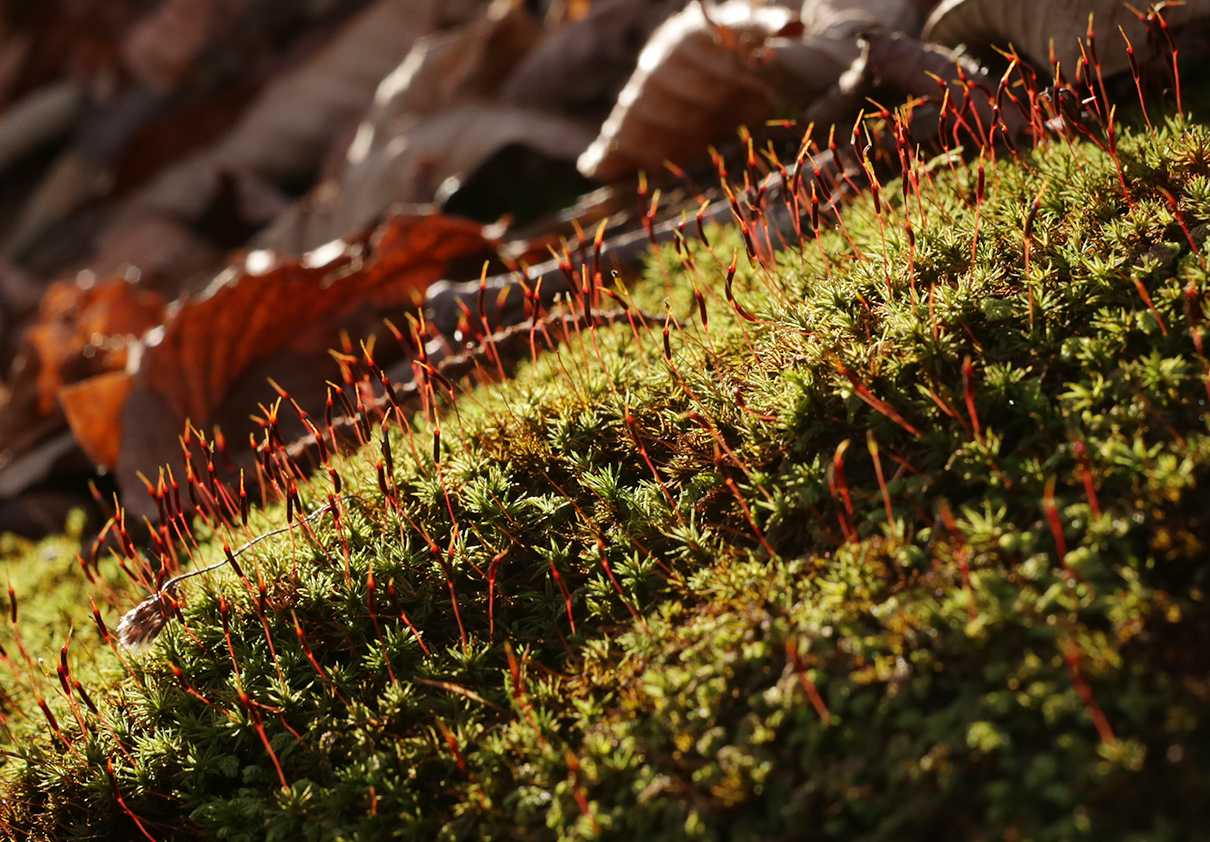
x: 918, y: 550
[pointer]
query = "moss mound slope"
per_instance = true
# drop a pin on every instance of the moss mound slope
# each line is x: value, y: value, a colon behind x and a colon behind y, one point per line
x: 917, y: 547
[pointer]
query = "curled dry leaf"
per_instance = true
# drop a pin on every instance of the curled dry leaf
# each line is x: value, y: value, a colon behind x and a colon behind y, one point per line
x: 90, y: 407
x: 414, y: 165
x: 808, y: 70
x: 210, y: 362
x: 86, y: 329
x: 1032, y: 29
x: 845, y: 18
x: 81, y: 331
x: 695, y: 83
x: 434, y: 118
x: 588, y: 58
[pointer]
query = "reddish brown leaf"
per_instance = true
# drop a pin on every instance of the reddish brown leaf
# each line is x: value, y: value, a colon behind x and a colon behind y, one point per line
x: 84, y: 330
x: 93, y: 409
x: 211, y: 362
x: 80, y: 331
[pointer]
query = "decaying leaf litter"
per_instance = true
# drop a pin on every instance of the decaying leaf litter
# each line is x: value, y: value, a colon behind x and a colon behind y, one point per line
x: 164, y: 138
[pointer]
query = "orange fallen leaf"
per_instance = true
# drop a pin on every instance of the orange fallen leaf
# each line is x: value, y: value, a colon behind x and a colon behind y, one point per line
x: 92, y: 407
x: 210, y: 363
x: 83, y: 330
x: 80, y: 331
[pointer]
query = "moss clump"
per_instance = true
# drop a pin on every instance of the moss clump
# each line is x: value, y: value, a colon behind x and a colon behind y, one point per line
x: 917, y: 551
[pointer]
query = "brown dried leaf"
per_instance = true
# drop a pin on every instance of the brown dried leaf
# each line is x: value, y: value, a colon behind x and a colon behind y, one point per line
x: 1031, y: 28
x: 695, y: 83
x: 589, y: 58
x: 93, y: 409
x: 432, y: 119
x: 80, y: 332
x: 210, y: 363
x: 84, y: 330
x: 416, y: 162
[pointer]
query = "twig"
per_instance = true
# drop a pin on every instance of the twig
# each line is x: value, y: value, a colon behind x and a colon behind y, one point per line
x: 142, y: 624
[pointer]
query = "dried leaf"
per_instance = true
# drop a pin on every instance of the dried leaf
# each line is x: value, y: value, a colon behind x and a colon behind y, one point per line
x: 460, y: 66
x: 414, y: 165
x: 588, y: 59
x: 845, y: 18
x: 694, y: 85
x: 1031, y: 29
x: 81, y: 331
x: 808, y: 71
x: 432, y: 119
x: 210, y: 363
x: 84, y: 330
x: 93, y: 409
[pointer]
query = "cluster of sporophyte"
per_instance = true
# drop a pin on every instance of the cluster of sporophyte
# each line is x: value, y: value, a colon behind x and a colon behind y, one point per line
x: 895, y: 534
